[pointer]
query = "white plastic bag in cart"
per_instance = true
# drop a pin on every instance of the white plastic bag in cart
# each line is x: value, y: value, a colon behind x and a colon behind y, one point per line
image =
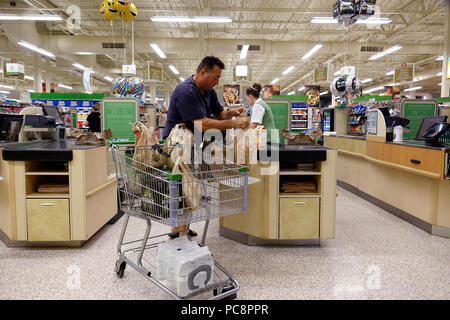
x: 184, y: 266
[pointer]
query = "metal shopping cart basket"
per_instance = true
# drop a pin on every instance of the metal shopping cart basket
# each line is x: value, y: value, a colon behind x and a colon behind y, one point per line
x: 157, y: 195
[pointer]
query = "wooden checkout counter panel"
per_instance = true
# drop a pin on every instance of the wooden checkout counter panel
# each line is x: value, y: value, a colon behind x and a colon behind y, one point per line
x: 31, y: 218
x: 408, y: 179
x: 275, y: 217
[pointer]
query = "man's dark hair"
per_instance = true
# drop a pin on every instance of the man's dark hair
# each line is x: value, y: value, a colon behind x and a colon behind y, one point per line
x: 209, y: 62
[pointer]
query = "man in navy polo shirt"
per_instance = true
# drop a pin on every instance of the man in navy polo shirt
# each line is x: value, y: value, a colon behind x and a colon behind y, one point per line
x: 194, y: 102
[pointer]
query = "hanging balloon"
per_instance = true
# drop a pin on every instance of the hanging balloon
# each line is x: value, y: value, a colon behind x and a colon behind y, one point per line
x: 119, y: 86
x: 130, y: 13
x: 337, y: 86
x: 122, y: 5
x: 108, y: 10
x: 353, y: 85
x: 135, y: 86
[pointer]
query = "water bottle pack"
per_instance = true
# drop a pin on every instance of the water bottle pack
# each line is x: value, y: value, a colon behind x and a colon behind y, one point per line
x: 183, y: 266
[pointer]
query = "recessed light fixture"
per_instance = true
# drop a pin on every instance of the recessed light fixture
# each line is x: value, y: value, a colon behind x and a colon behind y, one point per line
x: 181, y: 79
x: 324, y: 93
x: 374, y: 89
x: 29, y: 78
x: 390, y: 73
x: 35, y: 48
x: 440, y: 58
x: 413, y: 89
x: 337, y: 73
x: 5, y: 92
x: 31, y: 17
x: 324, y: 20
x: 367, y: 80
x: 158, y: 50
x: 6, y: 87
x: 79, y: 66
x: 174, y: 70
x: 275, y: 80
x: 31, y: 91
x: 312, y: 51
x: 374, y: 21
x: 84, y: 53
x: 64, y: 86
x: 291, y: 93
x: 108, y: 78
x: 244, y: 51
x: 285, y: 72
x: 385, y: 52
x: 207, y: 19
x: 439, y: 74
x: 301, y: 89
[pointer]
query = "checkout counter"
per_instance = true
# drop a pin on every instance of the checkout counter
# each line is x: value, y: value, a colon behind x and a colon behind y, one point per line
x: 277, y: 216
x: 409, y: 179
x: 85, y: 202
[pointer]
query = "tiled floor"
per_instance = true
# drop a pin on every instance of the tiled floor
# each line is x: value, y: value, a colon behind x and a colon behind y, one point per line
x: 375, y: 256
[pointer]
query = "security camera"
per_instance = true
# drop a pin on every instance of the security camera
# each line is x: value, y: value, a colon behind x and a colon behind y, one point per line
x: 12, y: 3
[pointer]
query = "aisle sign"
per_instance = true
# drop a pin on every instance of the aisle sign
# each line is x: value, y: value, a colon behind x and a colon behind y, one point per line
x: 155, y: 73
x: 321, y: 74
x: 404, y: 73
x: 15, y: 69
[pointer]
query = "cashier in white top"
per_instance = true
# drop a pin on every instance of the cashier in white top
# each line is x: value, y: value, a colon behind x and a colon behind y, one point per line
x: 261, y: 114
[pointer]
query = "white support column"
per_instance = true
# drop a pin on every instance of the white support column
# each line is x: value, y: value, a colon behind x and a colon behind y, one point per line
x: 153, y: 92
x: 37, y: 73
x: 445, y: 88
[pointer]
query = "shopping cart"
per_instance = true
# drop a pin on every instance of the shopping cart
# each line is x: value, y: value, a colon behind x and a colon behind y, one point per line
x: 156, y: 195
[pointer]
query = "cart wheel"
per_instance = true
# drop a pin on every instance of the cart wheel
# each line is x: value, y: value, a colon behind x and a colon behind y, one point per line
x: 230, y: 297
x: 121, y: 268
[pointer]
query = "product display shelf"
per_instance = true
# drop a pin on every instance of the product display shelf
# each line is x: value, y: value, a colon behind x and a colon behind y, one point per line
x: 356, y: 122
x: 300, y: 115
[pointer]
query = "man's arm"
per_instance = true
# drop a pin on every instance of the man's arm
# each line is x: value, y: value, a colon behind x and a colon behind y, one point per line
x: 234, y: 112
x: 207, y: 123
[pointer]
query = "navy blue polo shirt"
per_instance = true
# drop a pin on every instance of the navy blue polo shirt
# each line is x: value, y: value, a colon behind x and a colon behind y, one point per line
x: 188, y: 104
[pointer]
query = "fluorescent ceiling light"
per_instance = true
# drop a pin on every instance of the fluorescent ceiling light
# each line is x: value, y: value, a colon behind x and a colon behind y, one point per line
x: 174, y: 70
x: 324, y: 20
x: 84, y: 53
x: 107, y: 55
x: 6, y: 87
x: 337, y: 73
x: 439, y: 74
x: 244, y: 51
x: 413, y: 89
x: 5, y: 92
x: 312, y: 51
x: 367, y: 80
x: 35, y: 48
x: 390, y: 73
x: 160, y: 99
x: 285, y: 72
x: 108, y: 78
x: 31, y: 91
x: 385, y: 52
x: 291, y: 93
x: 29, y: 78
x: 158, y: 51
x: 374, y: 21
x: 374, y: 89
x: 440, y: 84
x: 323, y: 93
x: 64, y: 86
x: 301, y: 89
x: 79, y: 66
x: 181, y: 79
x: 275, y: 80
x: 440, y: 58
x: 32, y: 17
x: 199, y: 19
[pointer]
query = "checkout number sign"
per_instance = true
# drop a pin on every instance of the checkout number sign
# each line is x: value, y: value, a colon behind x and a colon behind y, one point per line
x: 119, y: 115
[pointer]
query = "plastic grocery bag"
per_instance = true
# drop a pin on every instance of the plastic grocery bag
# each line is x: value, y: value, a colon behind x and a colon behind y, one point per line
x: 191, y: 185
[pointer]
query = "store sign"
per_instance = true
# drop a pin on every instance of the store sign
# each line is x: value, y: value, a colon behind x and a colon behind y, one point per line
x: 348, y: 71
x: 155, y: 72
x: 321, y: 74
x: 68, y: 103
x: 404, y: 73
x: 448, y: 69
x: 129, y: 70
x: 241, y: 71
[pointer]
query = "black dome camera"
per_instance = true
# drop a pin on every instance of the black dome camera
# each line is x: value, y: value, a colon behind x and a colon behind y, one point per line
x: 12, y: 3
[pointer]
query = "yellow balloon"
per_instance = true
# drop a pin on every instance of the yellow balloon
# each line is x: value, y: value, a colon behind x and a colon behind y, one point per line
x: 108, y: 10
x: 130, y: 14
x: 122, y: 5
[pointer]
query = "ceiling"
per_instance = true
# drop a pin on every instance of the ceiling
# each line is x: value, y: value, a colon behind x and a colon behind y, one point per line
x: 281, y: 28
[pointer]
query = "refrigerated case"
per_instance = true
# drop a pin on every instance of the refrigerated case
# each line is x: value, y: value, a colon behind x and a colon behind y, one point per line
x: 328, y: 119
x: 301, y: 116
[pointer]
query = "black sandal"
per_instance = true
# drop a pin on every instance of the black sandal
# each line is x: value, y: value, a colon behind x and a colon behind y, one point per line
x: 176, y: 234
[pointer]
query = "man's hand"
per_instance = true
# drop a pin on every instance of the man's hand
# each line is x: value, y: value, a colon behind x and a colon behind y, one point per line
x: 237, y: 111
x: 241, y: 123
